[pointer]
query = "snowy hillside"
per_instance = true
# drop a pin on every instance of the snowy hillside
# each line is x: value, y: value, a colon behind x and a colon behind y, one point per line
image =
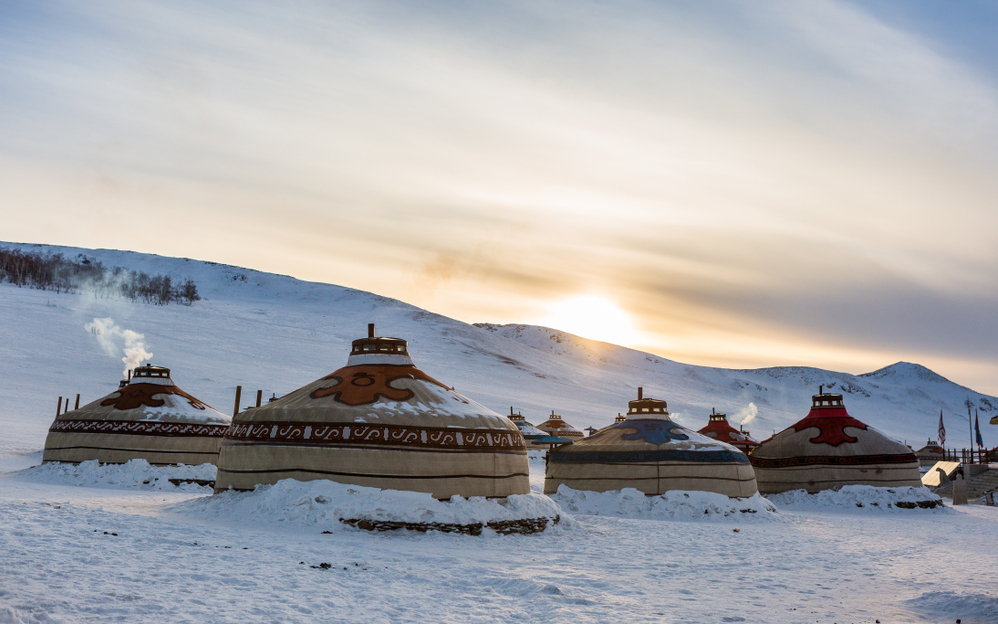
x: 277, y: 333
x: 122, y: 543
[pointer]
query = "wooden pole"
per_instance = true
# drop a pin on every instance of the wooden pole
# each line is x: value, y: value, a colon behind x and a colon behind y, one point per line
x: 77, y: 402
x: 235, y: 408
x: 58, y: 409
x: 259, y: 397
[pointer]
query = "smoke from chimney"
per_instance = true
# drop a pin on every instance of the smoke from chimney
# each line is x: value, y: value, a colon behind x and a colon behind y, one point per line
x: 747, y: 414
x: 115, y: 340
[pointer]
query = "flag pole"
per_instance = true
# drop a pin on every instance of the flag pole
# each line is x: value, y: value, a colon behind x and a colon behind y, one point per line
x: 970, y: 423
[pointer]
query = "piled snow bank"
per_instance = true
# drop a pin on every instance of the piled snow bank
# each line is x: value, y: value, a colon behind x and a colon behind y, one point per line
x: 137, y: 473
x: 852, y: 497
x: 332, y: 506
x: 673, y: 505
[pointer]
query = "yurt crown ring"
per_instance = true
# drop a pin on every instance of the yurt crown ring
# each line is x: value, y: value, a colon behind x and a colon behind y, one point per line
x: 379, y: 345
x: 826, y: 399
x: 151, y: 371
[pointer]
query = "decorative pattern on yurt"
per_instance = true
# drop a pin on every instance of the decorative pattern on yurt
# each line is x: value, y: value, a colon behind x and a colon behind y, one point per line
x: 148, y: 418
x: 378, y: 422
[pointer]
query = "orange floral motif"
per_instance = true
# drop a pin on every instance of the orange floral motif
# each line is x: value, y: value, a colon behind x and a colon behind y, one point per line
x: 360, y: 385
x: 134, y: 395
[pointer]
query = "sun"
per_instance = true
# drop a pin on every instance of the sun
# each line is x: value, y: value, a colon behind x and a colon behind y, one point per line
x: 594, y: 317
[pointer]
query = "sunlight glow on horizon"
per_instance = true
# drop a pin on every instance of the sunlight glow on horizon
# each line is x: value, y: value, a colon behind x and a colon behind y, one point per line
x: 594, y: 317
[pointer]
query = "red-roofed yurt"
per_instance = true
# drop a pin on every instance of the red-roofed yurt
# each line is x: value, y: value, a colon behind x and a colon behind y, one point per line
x: 829, y: 449
x: 720, y: 429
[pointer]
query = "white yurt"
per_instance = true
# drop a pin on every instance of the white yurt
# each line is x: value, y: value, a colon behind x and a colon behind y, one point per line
x: 557, y: 427
x: 651, y: 453
x: 718, y: 428
x: 148, y: 418
x: 527, y: 430
x: 378, y: 422
x: 829, y: 449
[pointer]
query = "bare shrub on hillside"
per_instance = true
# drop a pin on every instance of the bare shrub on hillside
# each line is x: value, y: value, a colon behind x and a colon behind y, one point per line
x: 57, y: 273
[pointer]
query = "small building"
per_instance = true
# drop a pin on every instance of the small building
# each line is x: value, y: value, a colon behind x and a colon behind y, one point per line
x: 829, y: 449
x: 650, y: 452
x: 148, y: 417
x: 718, y: 428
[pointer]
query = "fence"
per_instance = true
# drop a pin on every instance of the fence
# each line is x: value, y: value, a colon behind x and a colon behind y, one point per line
x: 971, y: 456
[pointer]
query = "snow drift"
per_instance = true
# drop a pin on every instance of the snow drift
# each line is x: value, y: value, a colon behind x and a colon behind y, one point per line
x: 867, y: 497
x: 672, y: 505
x: 332, y: 506
x: 137, y: 473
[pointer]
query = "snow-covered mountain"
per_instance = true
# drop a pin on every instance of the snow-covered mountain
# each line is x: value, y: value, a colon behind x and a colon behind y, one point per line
x: 276, y: 333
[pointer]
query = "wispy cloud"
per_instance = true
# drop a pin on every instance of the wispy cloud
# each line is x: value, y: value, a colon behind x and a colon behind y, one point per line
x: 790, y: 176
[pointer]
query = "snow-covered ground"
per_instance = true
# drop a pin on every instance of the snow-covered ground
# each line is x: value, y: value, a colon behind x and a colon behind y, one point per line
x: 96, y: 543
x: 77, y: 549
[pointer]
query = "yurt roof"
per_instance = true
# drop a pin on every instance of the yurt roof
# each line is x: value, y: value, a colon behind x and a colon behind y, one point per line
x: 149, y: 396
x: 527, y: 429
x: 828, y: 430
x: 556, y: 422
x: 723, y: 431
x: 380, y: 384
x: 931, y: 447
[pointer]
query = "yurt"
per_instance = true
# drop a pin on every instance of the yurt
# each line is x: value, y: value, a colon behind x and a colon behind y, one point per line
x: 651, y: 453
x: 829, y: 449
x: 527, y: 430
x: 929, y: 454
x: 718, y: 428
x: 378, y: 422
x: 147, y: 417
x: 556, y: 426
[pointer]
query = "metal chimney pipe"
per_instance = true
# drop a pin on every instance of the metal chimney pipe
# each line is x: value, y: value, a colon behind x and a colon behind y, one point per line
x: 259, y: 397
x: 129, y: 374
x: 641, y: 393
x: 77, y: 402
x: 58, y: 409
x: 370, y: 330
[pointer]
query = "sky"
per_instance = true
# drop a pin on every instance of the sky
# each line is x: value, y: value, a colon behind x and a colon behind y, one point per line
x: 737, y: 184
